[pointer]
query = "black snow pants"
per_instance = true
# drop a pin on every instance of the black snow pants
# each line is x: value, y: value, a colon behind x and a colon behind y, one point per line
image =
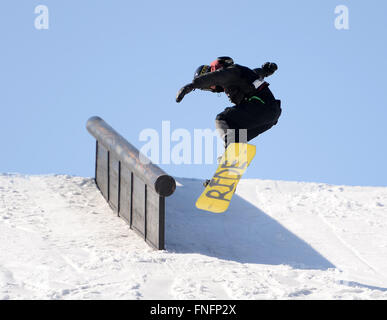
x: 254, y: 115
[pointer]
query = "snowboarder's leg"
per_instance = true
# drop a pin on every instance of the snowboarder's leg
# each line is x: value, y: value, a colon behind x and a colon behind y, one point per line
x: 221, y: 127
x: 230, y: 132
x: 252, y: 116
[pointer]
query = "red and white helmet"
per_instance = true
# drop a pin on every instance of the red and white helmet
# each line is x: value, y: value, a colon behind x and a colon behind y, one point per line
x: 221, y: 62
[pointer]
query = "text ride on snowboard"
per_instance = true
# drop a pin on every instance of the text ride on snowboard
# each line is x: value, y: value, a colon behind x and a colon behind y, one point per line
x: 217, y: 195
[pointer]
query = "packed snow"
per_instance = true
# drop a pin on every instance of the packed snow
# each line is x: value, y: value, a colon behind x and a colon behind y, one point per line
x: 59, y: 239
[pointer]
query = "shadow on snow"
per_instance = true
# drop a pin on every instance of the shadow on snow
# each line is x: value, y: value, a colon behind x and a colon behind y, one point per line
x: 244, y: 233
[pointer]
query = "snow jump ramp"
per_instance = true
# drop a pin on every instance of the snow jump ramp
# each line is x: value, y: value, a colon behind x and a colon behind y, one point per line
x: 134, y: 188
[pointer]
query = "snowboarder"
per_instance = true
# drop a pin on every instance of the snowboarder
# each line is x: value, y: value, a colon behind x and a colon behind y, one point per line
x: 255, y: 108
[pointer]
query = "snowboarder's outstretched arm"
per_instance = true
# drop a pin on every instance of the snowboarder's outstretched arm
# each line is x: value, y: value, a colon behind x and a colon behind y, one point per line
x: 222, y: 78
x: 232, y: 76
x: 219, y: 78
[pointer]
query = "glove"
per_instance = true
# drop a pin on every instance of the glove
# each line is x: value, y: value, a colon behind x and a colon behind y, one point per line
x: 183, y: 91
x: 269, y: 68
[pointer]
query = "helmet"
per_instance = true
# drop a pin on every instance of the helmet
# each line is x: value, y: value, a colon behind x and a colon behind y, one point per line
x: 225, y: 61
x: 201, y: 70
x: 221, y: 62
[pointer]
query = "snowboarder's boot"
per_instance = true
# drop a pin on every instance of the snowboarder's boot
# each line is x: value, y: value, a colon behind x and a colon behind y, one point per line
x: 207, y: 182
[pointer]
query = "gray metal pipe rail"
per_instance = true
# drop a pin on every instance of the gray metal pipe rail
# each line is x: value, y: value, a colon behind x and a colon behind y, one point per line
x: 134, y: 188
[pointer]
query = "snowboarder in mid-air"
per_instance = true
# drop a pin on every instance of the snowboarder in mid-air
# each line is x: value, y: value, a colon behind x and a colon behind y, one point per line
x: 255, y: 108
x: 255, y: 111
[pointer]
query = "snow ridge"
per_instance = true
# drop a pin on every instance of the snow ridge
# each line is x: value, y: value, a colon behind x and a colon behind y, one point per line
x: 59, y: 239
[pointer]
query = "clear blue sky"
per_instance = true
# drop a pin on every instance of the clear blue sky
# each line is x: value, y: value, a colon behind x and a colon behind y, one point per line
x: 125, y: 60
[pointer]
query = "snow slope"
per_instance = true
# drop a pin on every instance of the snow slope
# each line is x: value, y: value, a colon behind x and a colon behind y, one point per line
x: 279, y: 240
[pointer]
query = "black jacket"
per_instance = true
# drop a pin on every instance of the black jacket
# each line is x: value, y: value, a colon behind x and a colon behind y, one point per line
x: 236, y: 81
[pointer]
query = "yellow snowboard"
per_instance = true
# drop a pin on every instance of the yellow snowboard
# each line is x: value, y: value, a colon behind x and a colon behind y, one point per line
x: 217, y: 195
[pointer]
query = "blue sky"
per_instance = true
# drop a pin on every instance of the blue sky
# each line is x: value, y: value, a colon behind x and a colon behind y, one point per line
x: 125, y: 60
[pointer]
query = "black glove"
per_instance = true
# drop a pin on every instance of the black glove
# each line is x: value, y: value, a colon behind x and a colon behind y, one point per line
x: 269, y: 68
x: 183, y: 91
